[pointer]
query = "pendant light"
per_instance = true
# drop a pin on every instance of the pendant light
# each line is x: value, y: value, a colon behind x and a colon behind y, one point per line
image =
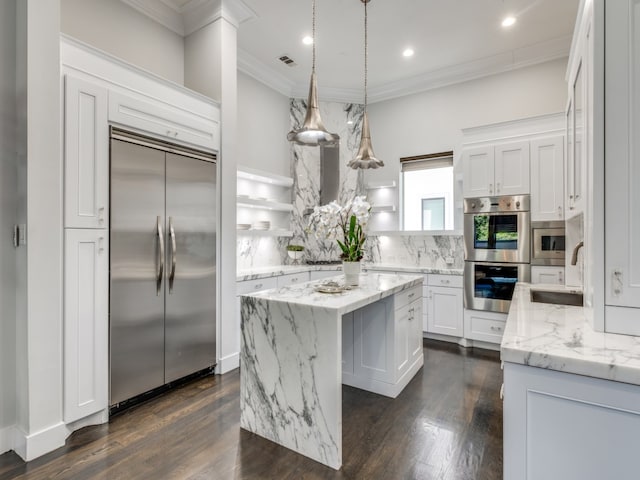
x: 365, y: 157
x: 313, y: 133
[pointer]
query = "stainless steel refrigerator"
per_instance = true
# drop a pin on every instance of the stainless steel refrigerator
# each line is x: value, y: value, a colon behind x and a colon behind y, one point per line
x: 163, y: 264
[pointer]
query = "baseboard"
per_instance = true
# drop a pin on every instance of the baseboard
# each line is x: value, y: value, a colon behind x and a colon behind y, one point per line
x: 443, y: 338
x: 486, y: 345
x: 391, y: 390
x: 36, y: 444
x: 228, y: 363
x: 6, y: 439
x: 96, y: 419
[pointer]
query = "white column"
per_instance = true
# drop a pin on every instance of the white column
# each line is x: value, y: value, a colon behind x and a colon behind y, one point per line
x: 39, y: 324
x: 211, y: 69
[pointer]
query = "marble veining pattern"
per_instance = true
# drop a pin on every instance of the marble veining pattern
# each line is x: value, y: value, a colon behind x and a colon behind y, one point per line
x: 291, y: 363
x: 560, y: 338
x: 434, y: 251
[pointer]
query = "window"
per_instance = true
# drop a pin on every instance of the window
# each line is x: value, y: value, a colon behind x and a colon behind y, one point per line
x: 427, y: 192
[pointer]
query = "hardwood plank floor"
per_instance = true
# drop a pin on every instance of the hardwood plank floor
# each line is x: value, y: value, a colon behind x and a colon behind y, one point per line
x: 447, y: 424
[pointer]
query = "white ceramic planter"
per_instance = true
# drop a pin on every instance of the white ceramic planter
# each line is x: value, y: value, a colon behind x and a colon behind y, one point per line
x: 295, y: 256
x: 351, y: 272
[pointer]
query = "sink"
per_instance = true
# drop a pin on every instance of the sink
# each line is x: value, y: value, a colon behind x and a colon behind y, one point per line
x: 557, y: 298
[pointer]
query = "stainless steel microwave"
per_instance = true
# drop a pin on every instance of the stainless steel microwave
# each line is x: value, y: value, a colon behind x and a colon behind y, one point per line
x: 547, y: 243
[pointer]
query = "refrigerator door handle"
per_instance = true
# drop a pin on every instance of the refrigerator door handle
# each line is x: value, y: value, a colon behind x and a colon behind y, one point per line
x: 172, y: 275
x: 160, y: 257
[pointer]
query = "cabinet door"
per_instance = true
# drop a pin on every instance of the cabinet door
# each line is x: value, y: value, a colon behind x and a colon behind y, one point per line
x: 484, y: 326
x: 373, y: 341
x: 86, y: 155
x: 547, y: 179
x: 402, y: 340
x: 550, y: 275
x: 347, y: 343
x: 512, y: 168
x: 478, y: 169
x: 445, y: 311
x: 415, y: 330
x: 622, y: 163
x: 86, y: 323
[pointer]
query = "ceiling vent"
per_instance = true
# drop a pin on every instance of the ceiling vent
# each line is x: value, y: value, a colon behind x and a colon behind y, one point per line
x: 287, y: 61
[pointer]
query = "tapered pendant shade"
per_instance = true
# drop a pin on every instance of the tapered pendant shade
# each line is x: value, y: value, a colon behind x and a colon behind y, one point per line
x: 365, y: 157
x: 312, y: 133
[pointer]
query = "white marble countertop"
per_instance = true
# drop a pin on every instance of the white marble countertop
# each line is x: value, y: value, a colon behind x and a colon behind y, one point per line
x: 275, y: 271
x: 558, y: 337
x: 373, y: 287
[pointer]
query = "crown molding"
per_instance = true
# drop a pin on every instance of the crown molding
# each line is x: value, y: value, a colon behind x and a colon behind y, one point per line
x: 520, y: 58
x: 194, y: 15
x: 250, y: 65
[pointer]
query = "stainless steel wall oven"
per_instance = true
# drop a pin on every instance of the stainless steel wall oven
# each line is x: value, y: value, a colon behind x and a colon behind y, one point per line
x: 497, y: 239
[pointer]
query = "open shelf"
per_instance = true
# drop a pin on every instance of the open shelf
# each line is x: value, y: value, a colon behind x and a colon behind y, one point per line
x: 383, y: 208
x: 265, y: 233
x: 264, y: 177
x: 264, y: 204
x: 381, y: 184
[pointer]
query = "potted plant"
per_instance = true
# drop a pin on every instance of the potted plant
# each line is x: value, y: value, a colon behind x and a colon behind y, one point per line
x: 348, y: 222
x: 295, y: 252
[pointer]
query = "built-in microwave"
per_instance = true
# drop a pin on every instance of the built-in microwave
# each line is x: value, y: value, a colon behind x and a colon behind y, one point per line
x: 547, y: 243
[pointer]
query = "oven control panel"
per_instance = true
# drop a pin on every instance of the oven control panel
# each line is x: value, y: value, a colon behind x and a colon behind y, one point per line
x: 507, y: 203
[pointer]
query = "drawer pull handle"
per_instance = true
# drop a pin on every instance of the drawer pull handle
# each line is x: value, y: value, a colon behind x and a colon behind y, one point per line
x: 446, y: 282
x: 496, y: 329
x: 411, y: 295
x: 258, y: 286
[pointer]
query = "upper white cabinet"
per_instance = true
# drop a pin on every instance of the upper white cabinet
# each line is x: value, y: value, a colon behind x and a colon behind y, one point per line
x: 512, y: 168
x: 547, y: 179
x: 163, y: 121
x: 577, y: 140
x: 86, y: 156
x: 500, y: 169
x: 622, y: 164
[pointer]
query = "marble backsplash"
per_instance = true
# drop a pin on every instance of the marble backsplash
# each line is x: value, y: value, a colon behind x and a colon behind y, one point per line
x: 441, y: 251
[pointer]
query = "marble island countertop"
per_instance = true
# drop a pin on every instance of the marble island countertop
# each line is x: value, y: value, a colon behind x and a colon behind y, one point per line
x: 558, y: 337
x: 373, y: 287
x: 275, y: 271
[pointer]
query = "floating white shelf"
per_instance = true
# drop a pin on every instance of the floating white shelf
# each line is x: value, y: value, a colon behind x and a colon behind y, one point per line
x: 265, y: 233
x: 381, y: 184
x: 383, y: 208
x: 264, y: 177
x: 264, y: 204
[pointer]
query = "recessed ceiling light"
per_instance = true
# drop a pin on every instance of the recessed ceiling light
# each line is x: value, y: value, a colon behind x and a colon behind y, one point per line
x: 307, y: 40
x: 509, y: 21
x: 408, y: 52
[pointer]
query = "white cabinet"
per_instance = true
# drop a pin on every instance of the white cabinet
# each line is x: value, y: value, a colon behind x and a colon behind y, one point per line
x: 484, y: 326
x: 445, y: 315
x: 382, y: 343
x: 501, y: 169
x: 86, y: 155
x: 576, y: 140
x: 549, y: 275
x: 566, y: 426
x: 622, y: 164
x: 86, y: 323
x: 164, y: 121
x: 547, y: 179
x: 292, y: 279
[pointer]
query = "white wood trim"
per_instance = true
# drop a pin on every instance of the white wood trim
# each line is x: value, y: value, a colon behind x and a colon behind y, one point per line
x: 7, y: 435
x: 32, y: 446
x: 384, y: 388
x: 523, y: 128
x: 228, y: 363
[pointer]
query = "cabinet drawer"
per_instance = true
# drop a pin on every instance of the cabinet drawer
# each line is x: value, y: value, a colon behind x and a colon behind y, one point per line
x: 405, y: 297
x: 256, y: 285
x: 486, y: 329
x: 292, y: 279
x: 173, y: 124
x: 436, y: 280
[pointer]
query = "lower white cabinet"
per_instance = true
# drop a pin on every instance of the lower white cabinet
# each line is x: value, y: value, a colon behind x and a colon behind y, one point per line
x: 86, y: 322
x: 566, y: 426
x: 382, y: 343
x: 545, y: 274
x: 484, y: 326
x: 445, y: 315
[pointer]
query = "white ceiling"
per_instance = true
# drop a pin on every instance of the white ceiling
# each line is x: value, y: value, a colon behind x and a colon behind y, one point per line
x: 454, y: 40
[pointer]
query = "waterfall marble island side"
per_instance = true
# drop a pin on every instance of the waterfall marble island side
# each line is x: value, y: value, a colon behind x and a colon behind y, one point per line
x: 299, y: 346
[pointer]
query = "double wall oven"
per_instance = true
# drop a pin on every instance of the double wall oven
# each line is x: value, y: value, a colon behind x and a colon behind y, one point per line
x: 497, y: 238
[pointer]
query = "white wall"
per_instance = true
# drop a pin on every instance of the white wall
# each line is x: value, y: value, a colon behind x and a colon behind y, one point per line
x: 8, y: 209
x: 120, y: 30
x: 432, y: 121
x: 263, y: 123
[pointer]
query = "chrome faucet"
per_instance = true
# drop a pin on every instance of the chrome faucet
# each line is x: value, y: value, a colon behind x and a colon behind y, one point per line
x: 574, y: 255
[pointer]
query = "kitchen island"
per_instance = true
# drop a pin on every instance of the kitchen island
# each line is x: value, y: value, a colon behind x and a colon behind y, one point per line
x: 298, y: 346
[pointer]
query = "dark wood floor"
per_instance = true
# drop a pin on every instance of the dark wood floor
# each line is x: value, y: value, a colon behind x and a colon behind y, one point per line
x: 447, y: 424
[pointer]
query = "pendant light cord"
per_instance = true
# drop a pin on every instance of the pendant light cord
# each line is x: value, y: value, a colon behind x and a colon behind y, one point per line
x: 366, y: 54
x: 313, y: 35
